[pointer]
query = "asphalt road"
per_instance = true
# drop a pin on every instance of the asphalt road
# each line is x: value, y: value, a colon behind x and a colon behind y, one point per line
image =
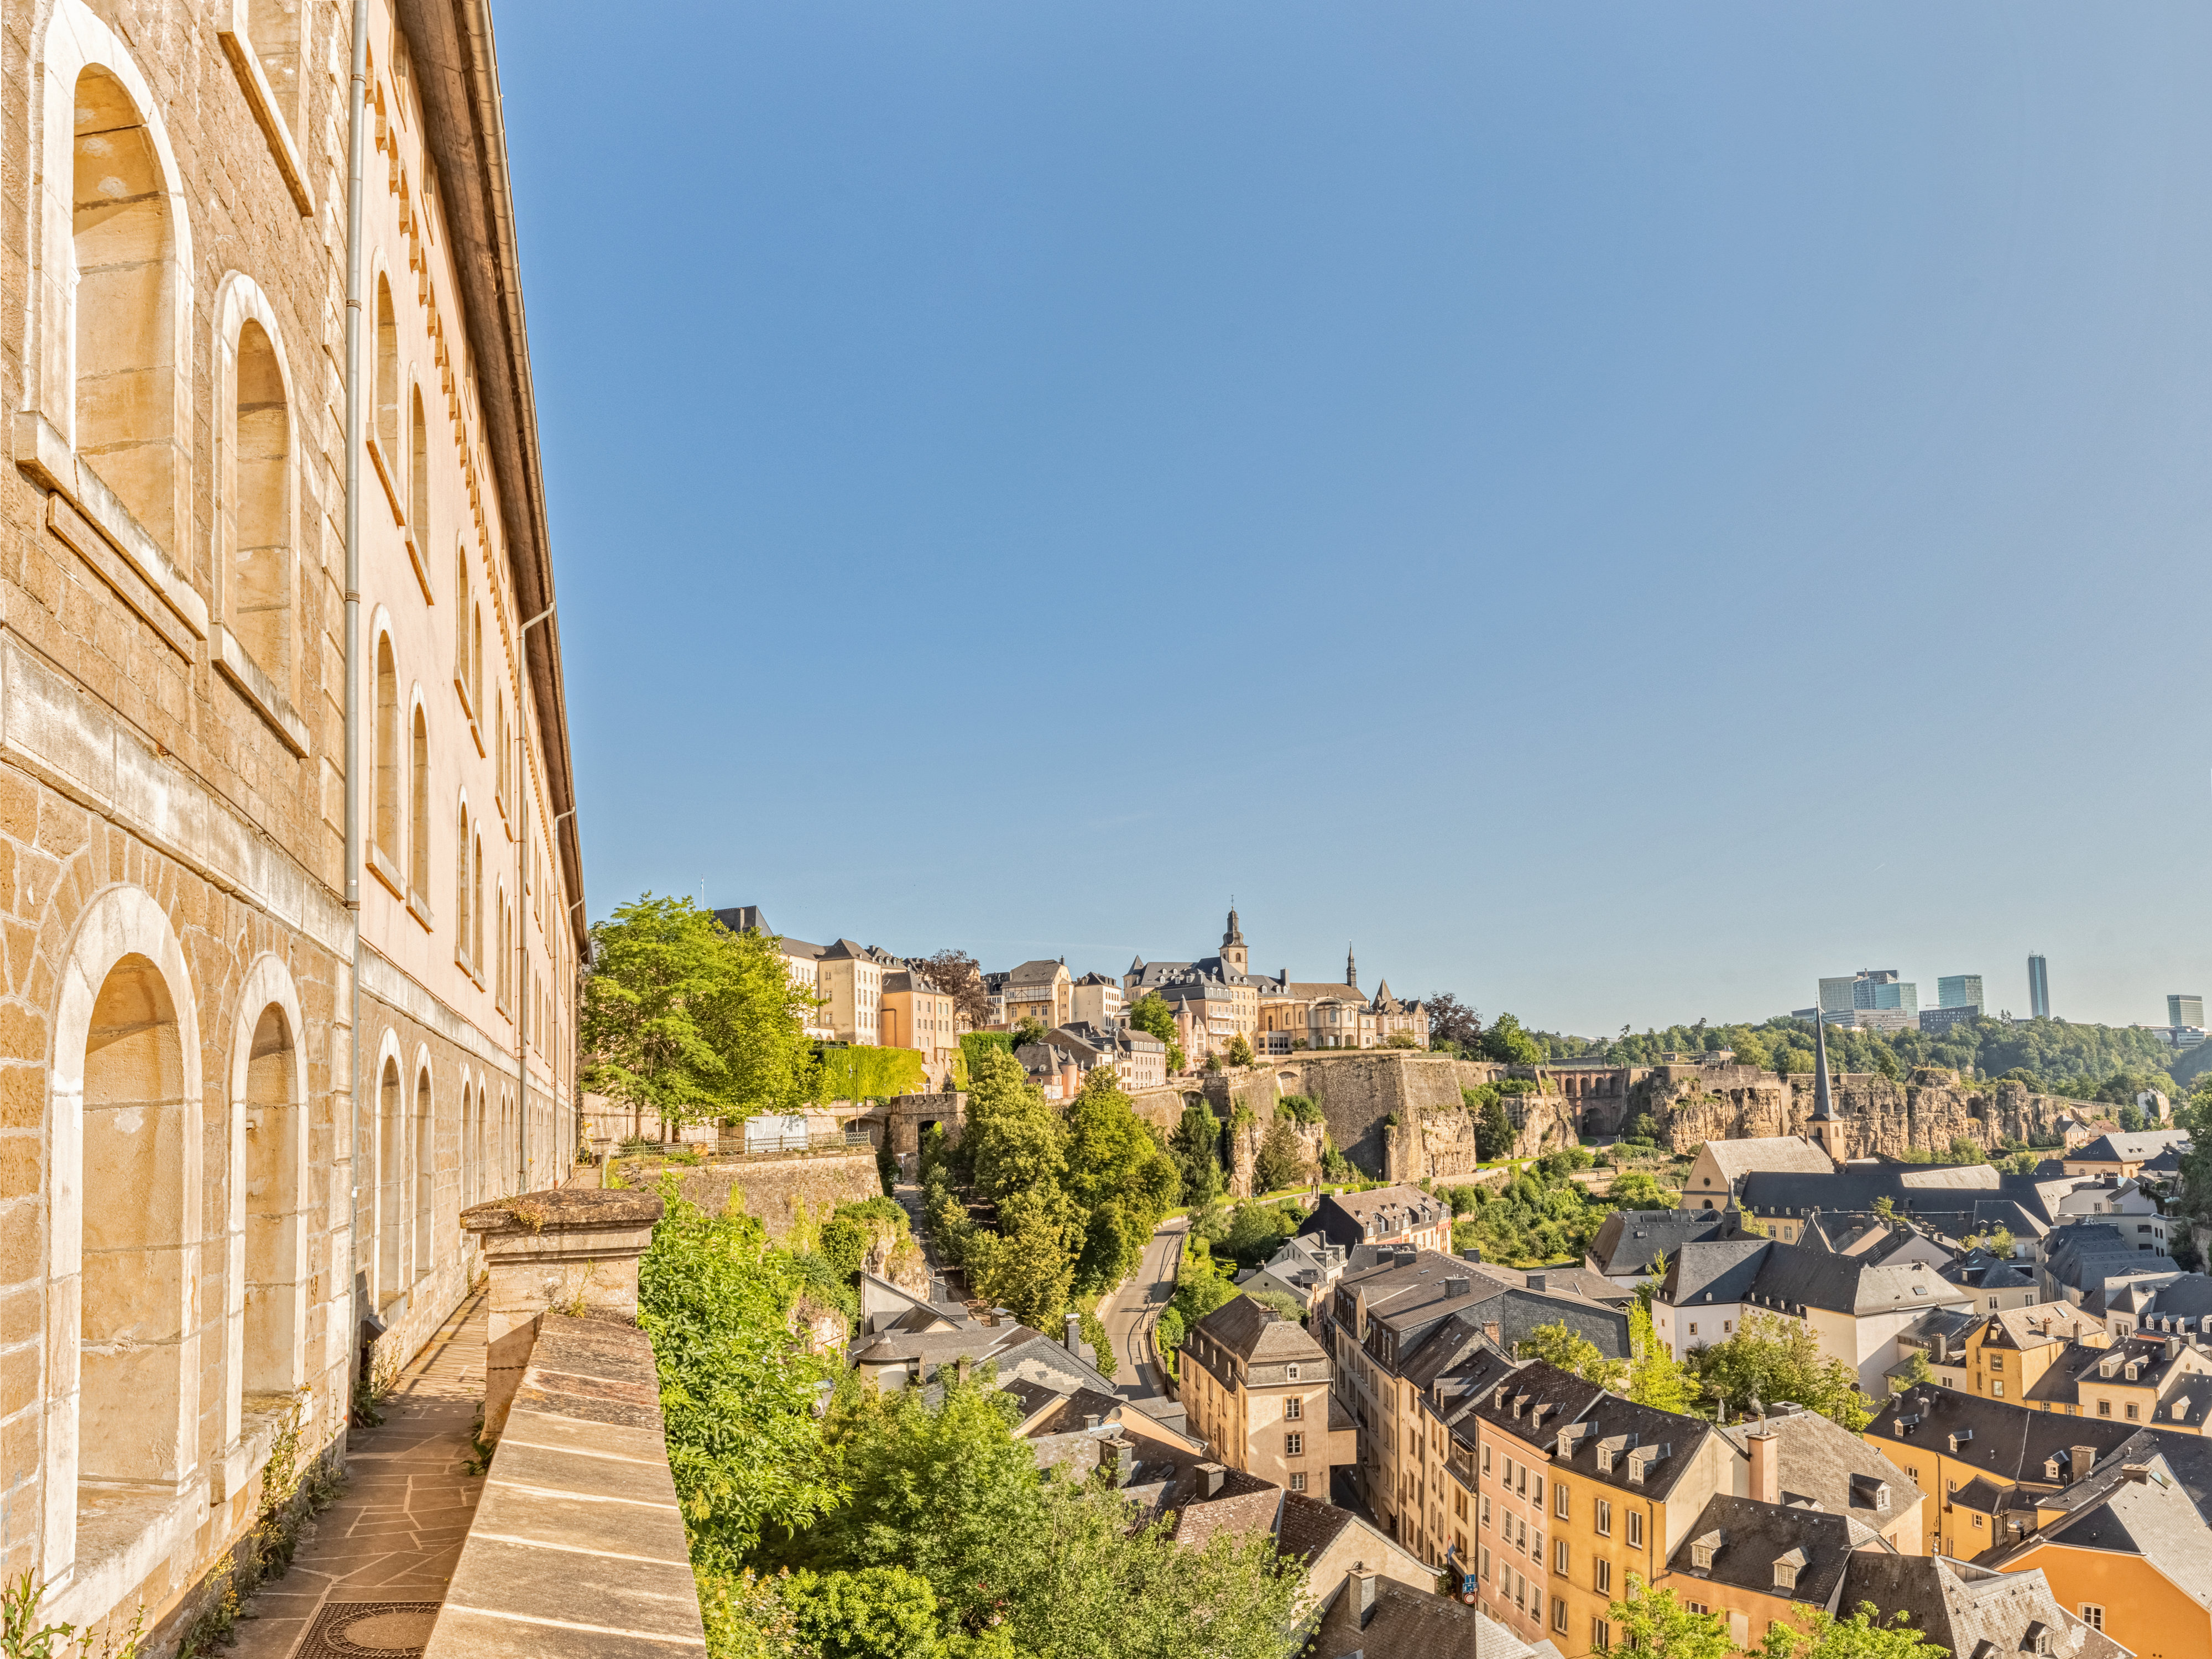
x: 1129, y: 1313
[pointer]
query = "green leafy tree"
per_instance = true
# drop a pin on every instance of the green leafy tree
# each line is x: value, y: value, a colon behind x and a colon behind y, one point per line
x: 1118, y: 1173
x: 1494, y: 1131
x: 1864, y: 1634
x: 1240, y: 1051
x: 1257, y: 1231
x: 688, y: 1021
x: 1150, y: 1013
x: 1653, y: 1624
x: 1638, y: 1189
x: 1282, y: 1161
x: 1028, y: 1264
x: 1011, y: 1139
x: 878, y: 1612
x: 937, y: 1489
x: 1656, y: 1377
x: 1195, y: 1146
x: 1772, y: 1359
x: 1028, y: 1030
x: 1571, y: 1351
x: 737, y: 1386
x: 1509, y: 1045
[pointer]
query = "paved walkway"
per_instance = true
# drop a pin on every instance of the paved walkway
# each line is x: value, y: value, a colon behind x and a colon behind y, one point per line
x: 375, y: 1571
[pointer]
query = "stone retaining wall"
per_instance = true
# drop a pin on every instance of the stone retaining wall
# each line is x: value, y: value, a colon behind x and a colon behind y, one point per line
x: 773, y: 1189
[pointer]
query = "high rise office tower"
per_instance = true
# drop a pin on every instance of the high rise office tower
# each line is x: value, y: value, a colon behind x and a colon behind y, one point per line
x: 1959, y: 991
x: 2186, y: 1010
x: 2039, y: 988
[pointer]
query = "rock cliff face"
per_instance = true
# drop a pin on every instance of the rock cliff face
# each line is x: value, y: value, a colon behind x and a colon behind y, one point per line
x: 1883, y: 1116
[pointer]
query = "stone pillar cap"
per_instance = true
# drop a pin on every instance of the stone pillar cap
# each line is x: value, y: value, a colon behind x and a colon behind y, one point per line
x: 564, y: 1209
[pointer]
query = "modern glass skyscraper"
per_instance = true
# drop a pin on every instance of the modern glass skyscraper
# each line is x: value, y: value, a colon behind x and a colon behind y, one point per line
x: 1959, y: 991
x: 2186, y: 1010
x: 1871, y: 987
x: 2039, y: 988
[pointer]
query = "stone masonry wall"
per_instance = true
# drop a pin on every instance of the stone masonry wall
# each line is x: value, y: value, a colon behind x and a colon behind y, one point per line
x: 773, y: 1189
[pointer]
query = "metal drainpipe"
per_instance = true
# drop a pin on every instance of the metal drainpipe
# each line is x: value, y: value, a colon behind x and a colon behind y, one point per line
x: 356, y: 139
x: 520, y: 944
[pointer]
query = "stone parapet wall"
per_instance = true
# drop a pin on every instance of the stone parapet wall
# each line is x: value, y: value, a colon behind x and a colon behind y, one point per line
x: 577, y: 1547
x: 772, y: 1189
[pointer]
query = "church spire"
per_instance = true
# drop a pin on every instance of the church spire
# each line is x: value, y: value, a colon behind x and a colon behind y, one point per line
x: 1824, y: 1105
x: 1350, y: 973
x: 1236, y: 935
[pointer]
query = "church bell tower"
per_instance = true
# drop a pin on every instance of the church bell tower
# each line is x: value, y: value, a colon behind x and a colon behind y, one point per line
x: 1233, y: 956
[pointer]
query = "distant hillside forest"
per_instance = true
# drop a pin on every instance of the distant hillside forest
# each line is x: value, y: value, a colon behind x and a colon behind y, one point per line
x: 2051, y: 1056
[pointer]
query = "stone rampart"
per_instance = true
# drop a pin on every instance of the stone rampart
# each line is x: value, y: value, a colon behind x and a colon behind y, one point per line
x: 1883, y: 1116
x: 773, y: 1188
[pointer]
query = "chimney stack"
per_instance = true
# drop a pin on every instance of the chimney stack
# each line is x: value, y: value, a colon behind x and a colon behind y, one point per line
x: 1075, y: 1336
x: 1363, y: 1581
x: 960, y: 1367
x: 1765, y: 1465
x: 1210, y: 1477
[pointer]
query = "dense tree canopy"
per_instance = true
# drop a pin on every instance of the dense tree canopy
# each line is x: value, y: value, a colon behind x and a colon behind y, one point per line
x: 1770, y: 1359
x: 1150, y: 1013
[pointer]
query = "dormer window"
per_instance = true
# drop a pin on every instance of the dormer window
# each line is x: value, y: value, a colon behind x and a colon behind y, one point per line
x: 1291, y: 1372
x: 1786, y: 1569
x: 1702, y: 1548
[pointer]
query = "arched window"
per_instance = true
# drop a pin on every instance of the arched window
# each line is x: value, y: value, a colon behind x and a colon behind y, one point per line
x: 418, y: 865
x: 273, y: 25
x: 499, y: 737
x: 464, y: 941
x: 476, y: 661
x: 418, y: 480
x: 386, y: 816
x: 257, y: 574
x: 124, y: 408
x: 426, y: 1174
x: 386, y: 382
x: 137, y: 1296
x: 461, y: 615
x: 274, y: 1335
x: 476, y: 902
x: 391, y: 1186
x: 506, y: 944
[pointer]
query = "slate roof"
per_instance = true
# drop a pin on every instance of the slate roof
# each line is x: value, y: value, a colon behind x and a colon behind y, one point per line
x: 1254, y: 1331
x: 1981, y: 1270
x: 2186, y: 1301
x: 1245, y: 1503
x: 1344, y: 1217
x: 2138, y: 1148
x: 1042, y: 971
x: 1825, y: 1464
x: 1747, y: 1537
x: 1762, y: 1272
x: 1853, y: 1190
x: 2143, y: 1503
x: 1738, y: 1158
x: 1410, y: 1624
x: 1628, y: 1238
x: 2009, y: 1443
x: 1958, y: 1606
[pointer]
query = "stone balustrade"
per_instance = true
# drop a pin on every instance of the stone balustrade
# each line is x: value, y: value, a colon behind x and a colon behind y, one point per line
x: 577, y: 1547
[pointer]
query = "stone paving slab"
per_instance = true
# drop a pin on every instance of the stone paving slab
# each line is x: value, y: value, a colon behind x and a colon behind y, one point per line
x: 396, y: 1533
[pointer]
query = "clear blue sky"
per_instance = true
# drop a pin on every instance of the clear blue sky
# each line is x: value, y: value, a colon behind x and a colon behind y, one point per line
x: 1619, y: 510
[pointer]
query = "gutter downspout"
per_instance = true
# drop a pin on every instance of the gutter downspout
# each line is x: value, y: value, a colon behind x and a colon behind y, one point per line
x: 521, y: 942
x: 356, y: 139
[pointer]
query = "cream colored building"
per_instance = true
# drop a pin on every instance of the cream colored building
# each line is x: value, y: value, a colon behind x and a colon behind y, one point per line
x: 1256, y: 1389
x: 1037, y: 990
x: 266, y: 1035
x: 849, y: 980
x: 1095, y: 1000
x: 915, y: 1014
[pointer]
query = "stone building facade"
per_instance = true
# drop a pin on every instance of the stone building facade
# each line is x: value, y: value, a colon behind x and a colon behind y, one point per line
x: 199, y: 1210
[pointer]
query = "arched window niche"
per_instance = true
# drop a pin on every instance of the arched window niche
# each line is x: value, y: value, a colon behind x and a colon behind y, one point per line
x: 123, y: 1240
x: 107, y: 417
x: 257, y: 511
x: 269, y: 1275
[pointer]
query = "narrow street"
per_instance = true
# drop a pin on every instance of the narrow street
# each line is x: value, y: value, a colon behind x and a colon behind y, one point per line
x: 1129, y: 1314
